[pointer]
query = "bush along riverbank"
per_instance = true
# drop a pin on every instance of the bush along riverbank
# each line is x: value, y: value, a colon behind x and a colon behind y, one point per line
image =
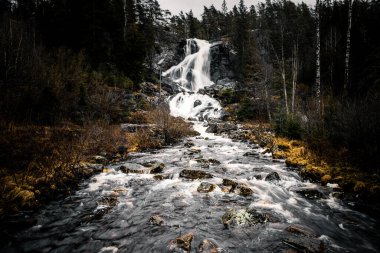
x: 326, y: 164
x: 43, y: 163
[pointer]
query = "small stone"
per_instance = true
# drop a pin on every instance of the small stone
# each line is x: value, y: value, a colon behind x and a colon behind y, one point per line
x: 182, y: 242
x: 189, y: 144
x: 197, y: 103
x: 207, y: 246
x: 225, y: 189
x: 123, y: 169
x: 326, y: 179
x: 156, y: 220
x: 205, y: 187
x: 121, y: 150
x: 243, y: 190
x: 157, y: 168
x: 359, y: 186
x: 273, y: 176
x: 158, y: 177
x: 229, y: 182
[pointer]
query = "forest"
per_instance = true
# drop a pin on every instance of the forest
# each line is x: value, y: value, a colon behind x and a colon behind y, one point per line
x: 67, y: 66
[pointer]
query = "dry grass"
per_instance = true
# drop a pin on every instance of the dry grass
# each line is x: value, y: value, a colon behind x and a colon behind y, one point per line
x: 38, y: 162
x: 164, y: 129
x: 317, y: 161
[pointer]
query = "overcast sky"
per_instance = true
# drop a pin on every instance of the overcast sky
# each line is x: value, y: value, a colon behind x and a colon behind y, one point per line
x: 175, y: 6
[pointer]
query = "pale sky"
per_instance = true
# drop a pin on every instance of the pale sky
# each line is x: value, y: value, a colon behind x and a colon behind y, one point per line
x: 175, y: 6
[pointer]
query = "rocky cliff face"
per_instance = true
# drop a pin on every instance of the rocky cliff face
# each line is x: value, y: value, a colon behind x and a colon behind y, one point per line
x: 222, y: 60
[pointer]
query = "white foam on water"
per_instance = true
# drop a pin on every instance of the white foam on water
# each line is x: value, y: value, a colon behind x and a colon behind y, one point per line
x: 110, y: 249
x: 195, y: 106
x: 193, y: 73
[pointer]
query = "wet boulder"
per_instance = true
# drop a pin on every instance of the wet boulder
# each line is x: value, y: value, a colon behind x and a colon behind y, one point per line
x: 226, y: 127
x: 162, y: 177
x: 236, y: 187
x: 205, y: 163
x: 108, y: 201
x: 189, y: 144
x: 181, y: 242
x: 100, y: 159
x: 309, y: 193
x: 156, y: 220
x: 273, y: 176
x: 258, y: 177
x: 243, y: 190
x: 207, y: 246
x: 194, y: 151
x: 194, y: 174
x: 212, y: 128
x: 252, y: 154
x: 205, y: 187
x: 105, y: 204
x: 157, y: 168
x: 304, y: 244
x: 248, y: 217
x: 197, y: 103
x: 229, y: 182
x: 301, y: 230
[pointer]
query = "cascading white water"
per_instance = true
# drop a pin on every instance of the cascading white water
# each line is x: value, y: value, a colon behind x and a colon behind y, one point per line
x: 193, y: 74
x: 194, y: 106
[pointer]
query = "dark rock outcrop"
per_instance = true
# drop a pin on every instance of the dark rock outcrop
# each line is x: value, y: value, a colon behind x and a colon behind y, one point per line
x: 194, y: 174
x: 222, y: 58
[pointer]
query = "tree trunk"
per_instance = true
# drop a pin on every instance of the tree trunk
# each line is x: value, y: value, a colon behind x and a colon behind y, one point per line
x: 348, y: 47
x: 294, y: 74
x: 125, y: 19
x: 318, y: 61
x: 283, y: 73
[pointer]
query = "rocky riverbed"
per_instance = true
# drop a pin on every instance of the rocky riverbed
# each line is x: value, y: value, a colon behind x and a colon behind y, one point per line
x: 207, y: 194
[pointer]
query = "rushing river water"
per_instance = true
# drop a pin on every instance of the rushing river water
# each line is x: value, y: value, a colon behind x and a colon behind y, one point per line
x: 71, y: 225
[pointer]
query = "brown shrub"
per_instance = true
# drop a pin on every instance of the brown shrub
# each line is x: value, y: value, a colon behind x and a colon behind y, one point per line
x: 164, y: 129
x: 38, y: 162
x: 172, y: 128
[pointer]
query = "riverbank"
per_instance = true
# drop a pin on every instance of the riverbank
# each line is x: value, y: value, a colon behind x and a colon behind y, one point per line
x: 324, y: 164
x: 198, y: 192
x: 43, y: 163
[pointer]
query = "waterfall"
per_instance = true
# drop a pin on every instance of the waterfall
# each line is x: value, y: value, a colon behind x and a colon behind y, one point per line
x: 193, y: 74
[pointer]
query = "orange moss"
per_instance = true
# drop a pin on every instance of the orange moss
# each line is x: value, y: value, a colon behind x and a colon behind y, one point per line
x: 322, y: 163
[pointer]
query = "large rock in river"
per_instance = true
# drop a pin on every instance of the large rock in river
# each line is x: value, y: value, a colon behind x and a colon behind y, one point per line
x: 237, y: 187
x: 182, y: 242
x: 194, y: 174
x: 243, y: 217
x: 205, y: 187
